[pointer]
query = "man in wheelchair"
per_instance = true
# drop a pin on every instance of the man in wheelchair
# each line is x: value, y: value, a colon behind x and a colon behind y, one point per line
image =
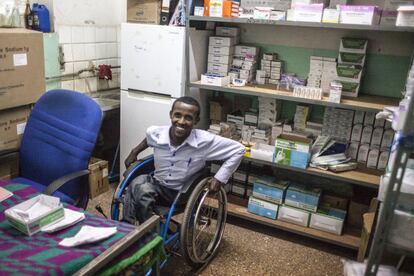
x: 180, y: 152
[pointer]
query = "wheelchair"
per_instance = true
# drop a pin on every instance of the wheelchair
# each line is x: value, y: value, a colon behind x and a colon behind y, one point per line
x: 204, y: 219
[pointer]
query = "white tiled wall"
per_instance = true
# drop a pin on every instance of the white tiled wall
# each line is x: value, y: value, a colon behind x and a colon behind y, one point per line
x: 86, y: 45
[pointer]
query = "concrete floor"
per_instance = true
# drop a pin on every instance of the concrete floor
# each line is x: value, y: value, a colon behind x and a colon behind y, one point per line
x: 253, y: 249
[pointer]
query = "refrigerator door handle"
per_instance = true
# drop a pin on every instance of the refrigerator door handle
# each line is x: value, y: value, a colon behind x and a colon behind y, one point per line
x: 148, y: 96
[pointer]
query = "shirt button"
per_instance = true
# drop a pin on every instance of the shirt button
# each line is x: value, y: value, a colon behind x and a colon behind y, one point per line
x: 166, y: 181
x: 172, y: 164
x: 174, y: 154
x: 169, y: 175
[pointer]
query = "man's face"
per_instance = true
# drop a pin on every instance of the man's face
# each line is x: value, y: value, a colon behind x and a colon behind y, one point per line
x: 183, y: 118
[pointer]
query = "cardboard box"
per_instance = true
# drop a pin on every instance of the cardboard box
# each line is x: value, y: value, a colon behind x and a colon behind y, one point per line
x: 363, y: 153
x: 144, y: 11
x: 98, y: 177
x: 366, y: 135
x: 292, y: 151
x: 352, y: 150
x: 405, y: 17
x: 221, y: 50
x: 369, y: 118
x: 359, y: 117
x: 270, y: 189
x: 12, y: 125
x: 9, y: 166
x: 335, y: 202
x: 387, y: 138
x: 215, y: 79
x: 227, y: 31
x: 52, y: 211
x: 303, y: 197
x: 383, y: 160
x: 221, y: 41
x: 237, y: 189
x: 364, y: 15
x: 355, y: 212
x: 377, y: 136
x: 212, y: 58
x: 372, y: 159
x: 293, y: 215
x: 262, y: 208
x: 356, y: 133
x: 22, y: 72
x: 328, y: 219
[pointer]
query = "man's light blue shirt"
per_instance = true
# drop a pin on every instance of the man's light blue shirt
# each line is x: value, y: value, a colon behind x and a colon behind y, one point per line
x: 175, y: 166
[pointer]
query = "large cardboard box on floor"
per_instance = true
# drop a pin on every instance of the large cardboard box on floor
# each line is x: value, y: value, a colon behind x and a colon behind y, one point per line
x: 12, y: 125
x: 22, y: 70
x: 98, y: 177
x: 144, y: 11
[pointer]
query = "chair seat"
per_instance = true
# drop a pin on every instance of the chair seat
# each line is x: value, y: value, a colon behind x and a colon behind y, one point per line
x: 41, y: 188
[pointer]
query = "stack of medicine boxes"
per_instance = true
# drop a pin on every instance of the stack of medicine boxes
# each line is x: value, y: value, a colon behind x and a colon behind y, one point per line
x: 221, y: 50
x: 244, y: 63
x: 296, y: 204
x: 271, y: 69
x: 351, y: 61
x: 322, y: 72
x: 371, y: 140
x: 269, y: 112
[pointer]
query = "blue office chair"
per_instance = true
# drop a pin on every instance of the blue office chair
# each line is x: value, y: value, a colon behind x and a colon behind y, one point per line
x: 57, y: 143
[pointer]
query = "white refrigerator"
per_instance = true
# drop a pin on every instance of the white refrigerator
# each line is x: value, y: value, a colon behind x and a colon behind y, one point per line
x: 153, y: 76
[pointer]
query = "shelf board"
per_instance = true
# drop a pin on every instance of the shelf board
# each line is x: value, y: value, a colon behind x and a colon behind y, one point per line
x: 350, y: 238
x: 363, y: 102
x: 302, y: 24
x: 361, y: 176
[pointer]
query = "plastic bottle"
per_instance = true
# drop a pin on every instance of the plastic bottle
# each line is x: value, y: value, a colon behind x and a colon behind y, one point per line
x: 41, y: 18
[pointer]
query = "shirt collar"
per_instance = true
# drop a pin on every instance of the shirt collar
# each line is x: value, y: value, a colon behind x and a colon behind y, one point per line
x: 164, y: 138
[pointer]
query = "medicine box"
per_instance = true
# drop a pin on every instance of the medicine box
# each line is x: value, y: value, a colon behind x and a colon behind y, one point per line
x: 349, y: 88
x: 361, y: 15
x: 218, y: 68
x: 328, y: 219
x: 377, y: 136
x: 372, y: 160
x: 356, y: 133
x: 347, y: 72
x: 213, y: 58
x: 237, y: 189
x: 308, y: 12
x: 52, y: 211
x: 352, y: 151
x: 363, y: 153
x: 246, y: 50
x: 369, y: 118
x: 405, y: 16
x: 262, y: 208
x: 387, y: 138
x: 294, y: 215
x: 366, y: 135
x: 263, y: 152
x: 270, y: 189
x: 221, y: 41
x: 215, y: 79
x: 221, y: 50
x: 359, y: 117
x: 330, y: 16
x: 303, y: 197
x: 292, y: 151
x: 351, y: 58
x: 227, y: 31
x: 383, y: 160
x: 334, y: 201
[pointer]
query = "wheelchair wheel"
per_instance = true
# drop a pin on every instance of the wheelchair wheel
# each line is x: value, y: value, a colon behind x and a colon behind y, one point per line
x: 203, y: 224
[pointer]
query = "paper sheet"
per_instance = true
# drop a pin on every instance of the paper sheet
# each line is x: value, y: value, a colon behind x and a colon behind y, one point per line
x: 88, y: 234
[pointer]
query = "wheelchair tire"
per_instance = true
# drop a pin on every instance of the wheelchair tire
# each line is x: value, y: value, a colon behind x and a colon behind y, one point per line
x: 200, y: 210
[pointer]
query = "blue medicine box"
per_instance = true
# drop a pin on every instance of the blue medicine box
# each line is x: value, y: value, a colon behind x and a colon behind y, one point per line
x: 292, y: 151
x: 262, y: 208
x: 303, y: 197
x: 270, y: 189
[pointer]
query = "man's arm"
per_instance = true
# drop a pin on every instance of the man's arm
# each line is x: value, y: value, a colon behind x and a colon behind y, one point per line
x: 227, y: 150
x: 132, y: 157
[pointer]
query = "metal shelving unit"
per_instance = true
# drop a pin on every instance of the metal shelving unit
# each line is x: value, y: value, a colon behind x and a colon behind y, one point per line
x: 402, y: 149
x: 364, y: 102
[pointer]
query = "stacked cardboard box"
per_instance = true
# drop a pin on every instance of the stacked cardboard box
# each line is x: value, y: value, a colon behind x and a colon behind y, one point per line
x: 389, y: 12
x: 337, y: 123
x: 301, y: 117
x: 22, y: 81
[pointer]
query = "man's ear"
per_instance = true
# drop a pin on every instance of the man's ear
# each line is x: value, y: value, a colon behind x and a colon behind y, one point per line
x: 197, y: 119
x: 171, y: 112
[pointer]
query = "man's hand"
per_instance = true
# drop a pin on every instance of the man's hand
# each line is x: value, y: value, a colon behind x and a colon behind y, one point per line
x: 214, y: 184
x: 132, y: 157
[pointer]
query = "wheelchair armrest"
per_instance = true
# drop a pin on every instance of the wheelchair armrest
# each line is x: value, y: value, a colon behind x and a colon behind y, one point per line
x: 57, y: 183
x: 137, y: 163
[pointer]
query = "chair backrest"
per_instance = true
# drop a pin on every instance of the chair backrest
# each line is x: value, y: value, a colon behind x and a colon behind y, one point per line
x: 59, y: 138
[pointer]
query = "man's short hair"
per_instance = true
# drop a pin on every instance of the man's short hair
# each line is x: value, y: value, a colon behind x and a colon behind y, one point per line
x: 190, y: 101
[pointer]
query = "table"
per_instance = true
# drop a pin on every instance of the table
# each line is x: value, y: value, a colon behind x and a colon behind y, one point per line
x: 40, y: 254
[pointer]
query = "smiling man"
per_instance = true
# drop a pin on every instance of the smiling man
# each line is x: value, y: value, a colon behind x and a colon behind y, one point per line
x: 180, y: 151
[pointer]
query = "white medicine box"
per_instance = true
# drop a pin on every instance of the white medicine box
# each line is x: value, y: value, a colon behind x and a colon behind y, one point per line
x: 294, y: 215
x: 328, y: 219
